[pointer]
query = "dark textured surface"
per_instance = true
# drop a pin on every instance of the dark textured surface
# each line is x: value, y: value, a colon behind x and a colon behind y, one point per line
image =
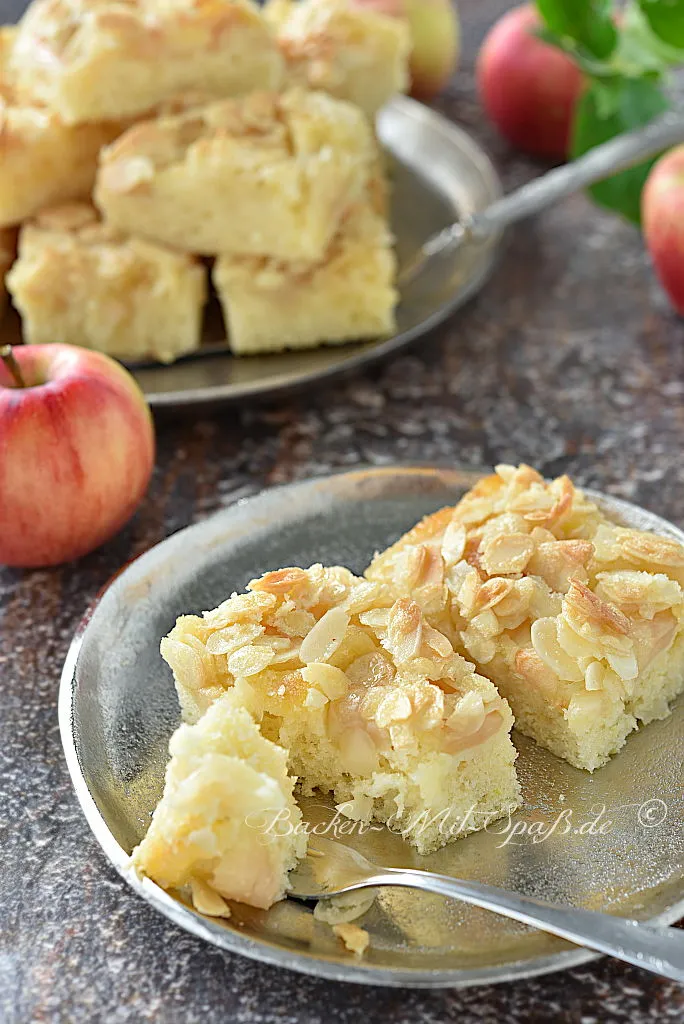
x: 569, y: 360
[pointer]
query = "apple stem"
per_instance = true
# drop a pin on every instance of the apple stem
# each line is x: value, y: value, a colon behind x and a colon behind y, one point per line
x: 7, y: 356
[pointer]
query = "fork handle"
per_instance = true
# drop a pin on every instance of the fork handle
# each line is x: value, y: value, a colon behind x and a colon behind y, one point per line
x: 659, y: 950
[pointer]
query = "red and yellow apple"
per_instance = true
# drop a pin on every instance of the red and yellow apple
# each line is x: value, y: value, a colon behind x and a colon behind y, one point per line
x: 662, y: 217
x: 528, y: 88
x: 76, y: 452
x: 436, y: 36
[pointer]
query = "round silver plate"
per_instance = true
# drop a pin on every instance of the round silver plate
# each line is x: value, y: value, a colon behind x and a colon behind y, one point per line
x: 439, y: 174
x: 612, y: 840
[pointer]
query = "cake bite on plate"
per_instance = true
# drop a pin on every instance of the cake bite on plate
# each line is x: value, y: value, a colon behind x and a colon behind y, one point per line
x: 80, y: 279
x: 371, y: 703
x: 578, y: 621
x: 225, y: 785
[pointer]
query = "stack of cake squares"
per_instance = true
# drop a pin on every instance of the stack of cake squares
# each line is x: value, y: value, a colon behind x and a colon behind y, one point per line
x: 147, y: 144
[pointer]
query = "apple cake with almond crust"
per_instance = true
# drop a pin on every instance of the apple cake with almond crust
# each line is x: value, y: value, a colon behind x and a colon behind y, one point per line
x: 97, y: 60
x: 224, y: 784
x: 269, y: 305
x: 577, y: 620
x: 370, y: 702
x: 79, y: 279
x: 268, y: 175
x: 354, y: 53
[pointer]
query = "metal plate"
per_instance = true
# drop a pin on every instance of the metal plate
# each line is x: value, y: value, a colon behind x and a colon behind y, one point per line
x: 439, y: 174
x: 118, y: 708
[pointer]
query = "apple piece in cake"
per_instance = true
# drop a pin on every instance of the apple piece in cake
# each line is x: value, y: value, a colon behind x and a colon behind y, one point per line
x: 269, y: 305
x: 97, y: 60
x: 371, y: 703
x: 578, y: 621
x: 77, y: 280
x: 269, y: 175
x: 354, y: 53
x: 42, y: 160
x: 225, y: 785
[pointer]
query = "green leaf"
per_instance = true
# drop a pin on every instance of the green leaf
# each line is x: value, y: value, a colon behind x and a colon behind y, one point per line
x: 633, y: 102
x: 588, y: 22
x: 639, y: 49
x: 666, y: 18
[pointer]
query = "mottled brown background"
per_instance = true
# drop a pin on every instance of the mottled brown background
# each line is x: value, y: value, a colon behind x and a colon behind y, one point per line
x: 571, y: 360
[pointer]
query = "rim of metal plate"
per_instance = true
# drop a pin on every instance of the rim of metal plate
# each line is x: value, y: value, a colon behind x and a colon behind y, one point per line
x: 353, y: 357
x: 215, y: 527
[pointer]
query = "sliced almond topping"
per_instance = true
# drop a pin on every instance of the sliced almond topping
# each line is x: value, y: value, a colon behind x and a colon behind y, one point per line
x: 560, y: 561
x: 468, y: 715
x: 594, y: 676
x: 373, y: 669
x: 250, y: 660
x: 545, y: 643
x: 454, y: 543
x: 506, y: 553
x: 404, y: 631
x: 395, y: 707
x: 315, y: 698
x: 325, y: 637
x: 437, y: 642
x: 329, y: 680
x: 650, y: 548
x: 583, y: 605
x: 229, y: 639
x: 537, y: 673
x: 492, y: 592
x: 282, y: 581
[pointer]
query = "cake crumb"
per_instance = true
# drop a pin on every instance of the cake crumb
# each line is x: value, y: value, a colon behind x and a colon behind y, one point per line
x: 355, y: 939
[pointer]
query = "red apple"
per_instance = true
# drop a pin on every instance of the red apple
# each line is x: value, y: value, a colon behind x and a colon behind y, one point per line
x: 76, y: 452
x: 662, y: 216
x: 436, y: 36
x: 528, y: 88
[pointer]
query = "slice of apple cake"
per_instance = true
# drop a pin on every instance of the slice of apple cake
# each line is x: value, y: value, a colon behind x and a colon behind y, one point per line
x: 577, y: 620
x: 369, y: 700
x: 224, y: 784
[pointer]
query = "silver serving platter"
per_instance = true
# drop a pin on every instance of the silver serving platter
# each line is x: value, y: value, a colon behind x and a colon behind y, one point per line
x: 439, y: 173
x: 117, y: 709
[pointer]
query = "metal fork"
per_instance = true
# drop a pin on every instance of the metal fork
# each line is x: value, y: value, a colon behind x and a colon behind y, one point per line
x: 331, y: 869
x: 616, y: 155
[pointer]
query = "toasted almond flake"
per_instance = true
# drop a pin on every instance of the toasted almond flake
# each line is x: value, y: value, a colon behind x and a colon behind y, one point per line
x: 282, y: 581
x: 329, y: 680
x: 545, y: 643
x: 249, y: 661
x: 229, y: 639
x: 315, y: 698
x: 625, y: 666
x: 493, y: 591
x: 468, y: 715
x: 583, y: 605
x: 594, y: 676
x: 437, y: 642
x: 506, y: 553
x: 454, y: 543
x: 186, y: 664
x: 325, y: 637
x: 404, y: 631
x: 537, y: 674
x: 377, y: 619
x: 395, y: 707
x: 650, y: 548
x: 481, y: 648
x: 207, y: 901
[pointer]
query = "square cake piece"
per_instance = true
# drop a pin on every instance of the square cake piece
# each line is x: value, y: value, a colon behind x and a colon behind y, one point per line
x: 268, y: 175
x: 371, y: 703
x: 97, y: 60
x: 42, y: 160
x: 76, y: 280
x: 269, y: 305
x: 355, y: 53
x: 225, y: 785
x: 578, y: 621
